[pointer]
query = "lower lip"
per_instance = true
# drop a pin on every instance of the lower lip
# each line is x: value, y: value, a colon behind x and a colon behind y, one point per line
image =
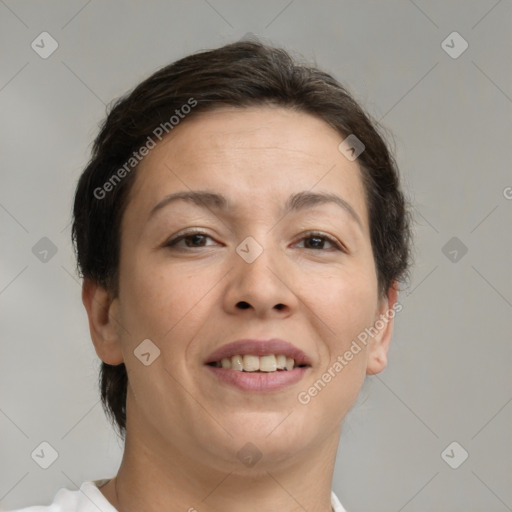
x: 258, y: 381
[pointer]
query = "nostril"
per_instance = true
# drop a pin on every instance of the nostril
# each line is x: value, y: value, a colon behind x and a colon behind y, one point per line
x: 243, y: 305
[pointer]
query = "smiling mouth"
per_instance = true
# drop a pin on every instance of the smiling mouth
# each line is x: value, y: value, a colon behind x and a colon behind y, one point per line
x: 254, y: 364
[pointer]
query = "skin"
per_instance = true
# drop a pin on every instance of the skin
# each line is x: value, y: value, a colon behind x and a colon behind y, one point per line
x: 184, y: 429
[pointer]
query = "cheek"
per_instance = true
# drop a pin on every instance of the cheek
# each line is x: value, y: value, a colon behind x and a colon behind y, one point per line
x: 159, y: 301
x: 347, y: 305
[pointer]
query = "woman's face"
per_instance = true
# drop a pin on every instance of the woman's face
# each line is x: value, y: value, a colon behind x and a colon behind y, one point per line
x: 258, y: 270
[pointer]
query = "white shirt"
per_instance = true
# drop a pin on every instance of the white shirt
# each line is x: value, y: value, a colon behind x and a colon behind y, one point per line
x: 90, y: 499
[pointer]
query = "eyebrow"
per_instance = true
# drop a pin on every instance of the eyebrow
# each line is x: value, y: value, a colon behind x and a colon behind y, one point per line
x: 296, y: 202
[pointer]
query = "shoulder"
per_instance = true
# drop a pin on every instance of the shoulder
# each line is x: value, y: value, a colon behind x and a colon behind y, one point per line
x: 86, y: 499
x: 335, y: 503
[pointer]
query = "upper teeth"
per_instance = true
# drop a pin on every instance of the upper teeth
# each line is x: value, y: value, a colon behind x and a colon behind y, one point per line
x: 251, y: 363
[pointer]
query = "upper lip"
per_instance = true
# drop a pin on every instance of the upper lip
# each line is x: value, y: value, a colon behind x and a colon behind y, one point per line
x: 259, y: 348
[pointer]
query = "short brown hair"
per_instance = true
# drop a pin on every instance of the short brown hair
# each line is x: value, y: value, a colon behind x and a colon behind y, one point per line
x: 240, y: 74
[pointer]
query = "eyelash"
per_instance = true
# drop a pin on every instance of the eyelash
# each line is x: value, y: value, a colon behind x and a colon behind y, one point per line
x: 310, y: 234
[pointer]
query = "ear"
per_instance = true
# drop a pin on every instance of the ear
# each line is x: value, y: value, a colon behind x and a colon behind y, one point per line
x: 383, y: 326
x: 103, y: 325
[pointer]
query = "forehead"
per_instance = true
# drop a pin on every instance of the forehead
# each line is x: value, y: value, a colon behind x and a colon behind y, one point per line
x: 264, y: 132
x: 256, y: 156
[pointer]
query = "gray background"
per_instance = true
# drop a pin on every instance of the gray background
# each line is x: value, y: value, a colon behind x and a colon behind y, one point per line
x: 449, y: 375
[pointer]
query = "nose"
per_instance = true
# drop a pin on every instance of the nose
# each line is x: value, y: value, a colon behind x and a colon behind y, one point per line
x: 264, y: 286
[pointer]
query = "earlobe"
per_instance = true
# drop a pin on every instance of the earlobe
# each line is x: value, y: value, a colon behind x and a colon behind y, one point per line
x: 384, y: 323
x: 103, y: 326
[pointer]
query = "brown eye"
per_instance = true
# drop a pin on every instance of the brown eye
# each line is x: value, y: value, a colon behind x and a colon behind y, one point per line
x: 317, y: 241
x: 192, y: 240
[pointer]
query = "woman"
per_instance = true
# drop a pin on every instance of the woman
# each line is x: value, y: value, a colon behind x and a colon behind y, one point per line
x: 241, y: 233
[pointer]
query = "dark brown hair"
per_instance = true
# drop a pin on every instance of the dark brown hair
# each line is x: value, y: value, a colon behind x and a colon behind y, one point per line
x: 240, y: 74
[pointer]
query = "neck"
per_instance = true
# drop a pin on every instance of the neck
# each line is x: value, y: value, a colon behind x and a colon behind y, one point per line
x: 150, y: 481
